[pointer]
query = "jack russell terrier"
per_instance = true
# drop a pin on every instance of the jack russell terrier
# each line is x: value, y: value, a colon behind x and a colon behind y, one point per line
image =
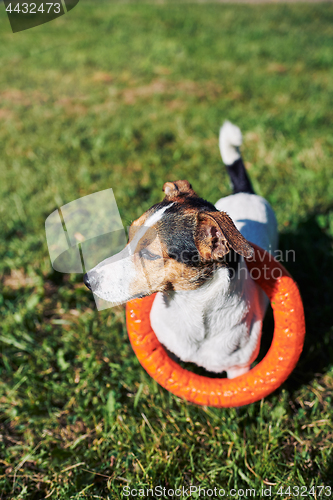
x: 208, y: 309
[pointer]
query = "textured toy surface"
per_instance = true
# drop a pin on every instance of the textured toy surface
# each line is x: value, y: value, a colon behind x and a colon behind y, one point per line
x: 261, y: 380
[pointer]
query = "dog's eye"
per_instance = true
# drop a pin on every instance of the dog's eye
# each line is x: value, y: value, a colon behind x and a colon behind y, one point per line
x: 146, y: 254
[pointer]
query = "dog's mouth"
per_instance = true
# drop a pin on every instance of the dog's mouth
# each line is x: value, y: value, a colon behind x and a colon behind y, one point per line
x: 114, y: 295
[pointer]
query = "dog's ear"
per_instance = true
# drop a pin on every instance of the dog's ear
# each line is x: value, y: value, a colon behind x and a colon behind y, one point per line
x: 178, y: 188
x: 216, y: 234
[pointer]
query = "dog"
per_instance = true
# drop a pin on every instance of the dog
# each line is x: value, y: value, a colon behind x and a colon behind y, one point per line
x: 208, y: 310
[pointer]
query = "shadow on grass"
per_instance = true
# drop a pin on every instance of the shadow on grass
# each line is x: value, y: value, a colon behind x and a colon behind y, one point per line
x: 313, y: 270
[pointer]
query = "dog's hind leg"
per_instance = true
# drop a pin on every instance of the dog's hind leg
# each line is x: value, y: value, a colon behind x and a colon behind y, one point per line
x: 230, y: 141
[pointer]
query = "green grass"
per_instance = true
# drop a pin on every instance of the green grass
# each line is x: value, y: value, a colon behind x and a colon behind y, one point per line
x: 130, y: 96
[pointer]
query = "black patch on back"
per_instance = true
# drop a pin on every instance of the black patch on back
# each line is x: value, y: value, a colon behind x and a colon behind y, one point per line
x: 239, y: 178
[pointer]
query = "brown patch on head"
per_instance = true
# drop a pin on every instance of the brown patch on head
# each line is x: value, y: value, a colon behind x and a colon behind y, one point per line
x: 148, y: 258
x: 165, y: 274
x: 149, y: 270
x: 184, y: 277
x: 216, y: 234
x: 136, y: 224
x: 177, y: 189
x: 156, y: 270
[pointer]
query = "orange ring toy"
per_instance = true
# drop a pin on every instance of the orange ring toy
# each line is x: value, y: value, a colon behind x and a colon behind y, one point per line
x: 261, y: 380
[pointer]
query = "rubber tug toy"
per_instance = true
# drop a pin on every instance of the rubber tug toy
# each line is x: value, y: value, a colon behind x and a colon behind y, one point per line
x: 260, y: 381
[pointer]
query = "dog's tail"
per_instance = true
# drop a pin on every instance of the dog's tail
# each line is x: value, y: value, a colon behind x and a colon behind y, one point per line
x: 230, y: 141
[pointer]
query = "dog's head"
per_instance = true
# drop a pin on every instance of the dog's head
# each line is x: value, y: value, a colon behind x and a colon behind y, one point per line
x: 175, y: 245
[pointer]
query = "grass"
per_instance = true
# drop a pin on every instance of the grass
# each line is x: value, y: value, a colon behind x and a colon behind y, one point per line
x: 130, y: 96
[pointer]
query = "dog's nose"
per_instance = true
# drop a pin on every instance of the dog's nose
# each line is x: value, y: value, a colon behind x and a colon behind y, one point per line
x: 91, y: 280
x: 86, y: 281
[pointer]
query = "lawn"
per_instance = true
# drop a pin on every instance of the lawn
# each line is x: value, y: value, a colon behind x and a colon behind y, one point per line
x: 128, y: 96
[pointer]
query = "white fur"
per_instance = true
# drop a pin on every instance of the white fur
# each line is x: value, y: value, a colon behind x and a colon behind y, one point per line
x: 149, y: 223
x: 218, y: 326
x: 230, y: 140
x: 114, y: 276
